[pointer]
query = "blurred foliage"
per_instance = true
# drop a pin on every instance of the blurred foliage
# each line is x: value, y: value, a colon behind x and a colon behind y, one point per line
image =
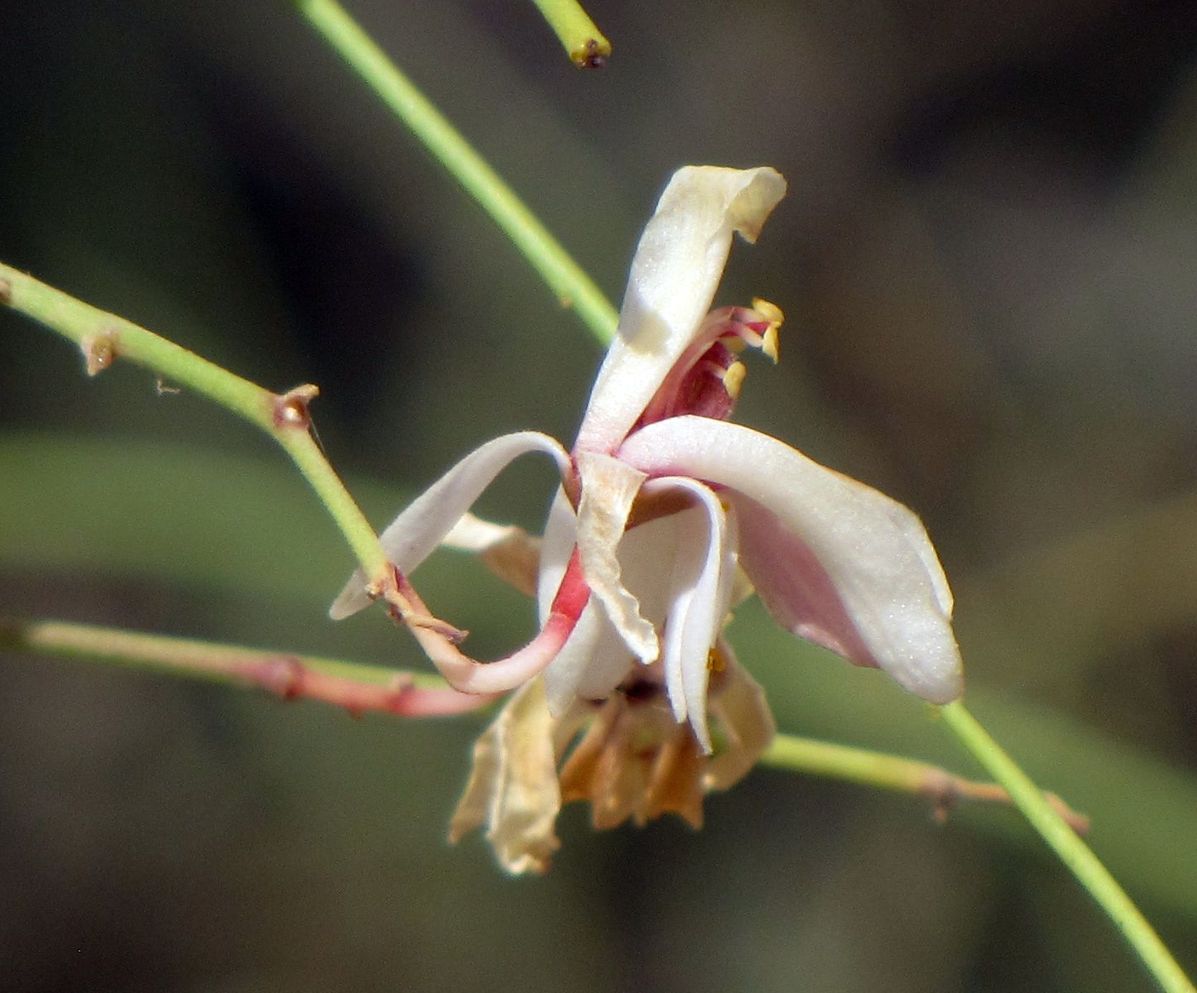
x: 986, y: 259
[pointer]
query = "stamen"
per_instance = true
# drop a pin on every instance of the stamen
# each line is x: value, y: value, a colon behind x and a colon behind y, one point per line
x: 769, y: 311
x: 733, y: 378
x: 770, y: 342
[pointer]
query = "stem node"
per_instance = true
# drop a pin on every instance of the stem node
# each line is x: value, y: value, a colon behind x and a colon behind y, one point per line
x: 99, y: 350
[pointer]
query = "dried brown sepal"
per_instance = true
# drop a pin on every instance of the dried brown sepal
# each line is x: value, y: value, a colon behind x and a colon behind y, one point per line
x: 291, y: 409
x: 99, y: 351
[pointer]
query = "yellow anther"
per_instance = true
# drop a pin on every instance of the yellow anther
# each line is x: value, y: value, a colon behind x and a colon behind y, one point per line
x: 769, y: 311
x: 716, y: 660
x: 733, y: 379
x: 770, y: 342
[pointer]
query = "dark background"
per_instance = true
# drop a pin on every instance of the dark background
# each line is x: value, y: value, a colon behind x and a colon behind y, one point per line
x: 986, y: 260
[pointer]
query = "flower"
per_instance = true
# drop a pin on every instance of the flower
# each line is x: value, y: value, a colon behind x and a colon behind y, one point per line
x: 664, y: 508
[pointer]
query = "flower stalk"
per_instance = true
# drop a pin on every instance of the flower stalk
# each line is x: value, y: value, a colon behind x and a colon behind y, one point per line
x: 564, y: 278
x: 105, y: 339
x: 1071, y: 850
x: 361, y: 688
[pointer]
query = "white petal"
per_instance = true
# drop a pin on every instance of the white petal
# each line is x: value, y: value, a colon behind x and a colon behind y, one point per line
x: 595, y: 659
x: 675, y: 273
x: 703, y: 571
x: 865, y: 555
x: 416, y: 532
x: 609, y: 487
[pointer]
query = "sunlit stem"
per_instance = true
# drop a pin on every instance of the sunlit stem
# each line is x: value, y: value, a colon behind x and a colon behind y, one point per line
x: 1072, y: 851
x: 105, y: 339
x: 572, y: 287
x: 581, y: 38
x: 884, y: 771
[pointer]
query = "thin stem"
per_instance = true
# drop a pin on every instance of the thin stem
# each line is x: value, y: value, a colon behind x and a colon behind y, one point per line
x: 581, y: 38
x: 884, y: 771
x: 353, y: 686
x: 1073, y: 852
x: 359, y: 688
x: 572, y: 287
x: 105, y: 338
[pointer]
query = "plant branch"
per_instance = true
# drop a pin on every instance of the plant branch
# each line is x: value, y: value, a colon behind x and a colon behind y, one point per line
x: 356, y: 687
x: 105, y: 338
x: 1070, y: 849
x: 884, y: 771
x: 581, y: 38
x: 360, y: 688
x: 572, y: 287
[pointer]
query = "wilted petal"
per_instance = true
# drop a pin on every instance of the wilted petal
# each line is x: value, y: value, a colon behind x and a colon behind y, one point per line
x: 828, y: 555
x: 513, y: 785
x: 609, y: 487
x: 416, y: 532
x: 674, y: 275
x: 507, y: 550
x: 739, y: 706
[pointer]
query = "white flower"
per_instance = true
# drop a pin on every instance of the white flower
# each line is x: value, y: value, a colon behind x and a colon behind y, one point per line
x: 662, y: 503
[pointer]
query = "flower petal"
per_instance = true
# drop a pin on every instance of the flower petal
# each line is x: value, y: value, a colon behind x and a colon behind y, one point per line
x: 677, y: 268
x: 704, y: 568
x: 416, y: 532
x: 507, y: 550
x: 609, y: 487
x: 513, y: 786
x: 832, y: 558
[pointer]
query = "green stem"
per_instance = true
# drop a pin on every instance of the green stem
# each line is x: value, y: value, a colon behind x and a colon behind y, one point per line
x: 105, y: 338
x: 361, y: 687
x: 560, y: 272
x: 581, y: 38
x: 1073, y: 852
x: 884, y: 771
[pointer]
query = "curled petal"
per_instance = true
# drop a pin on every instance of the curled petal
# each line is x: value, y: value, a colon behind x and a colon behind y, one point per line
x: 609, y: 487
x: 833, y: 559
x: 416, y: 532
x: 677, y: 268
x: 703, y: 572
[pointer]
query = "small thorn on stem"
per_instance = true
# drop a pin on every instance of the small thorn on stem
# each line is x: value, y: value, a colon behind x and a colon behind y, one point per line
x: 291, y: 408
x: 283, y: 677
x: 99, y: 351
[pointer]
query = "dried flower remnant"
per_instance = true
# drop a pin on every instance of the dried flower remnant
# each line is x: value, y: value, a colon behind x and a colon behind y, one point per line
x: 629, y: 696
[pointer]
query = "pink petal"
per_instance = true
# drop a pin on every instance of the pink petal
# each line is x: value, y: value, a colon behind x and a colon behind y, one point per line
x: 831, y: 557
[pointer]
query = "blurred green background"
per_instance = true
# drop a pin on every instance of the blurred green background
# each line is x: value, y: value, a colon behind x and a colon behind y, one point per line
x: 986, y: 259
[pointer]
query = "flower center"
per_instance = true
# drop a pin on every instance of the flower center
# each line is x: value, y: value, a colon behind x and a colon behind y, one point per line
x: 707, y: 379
